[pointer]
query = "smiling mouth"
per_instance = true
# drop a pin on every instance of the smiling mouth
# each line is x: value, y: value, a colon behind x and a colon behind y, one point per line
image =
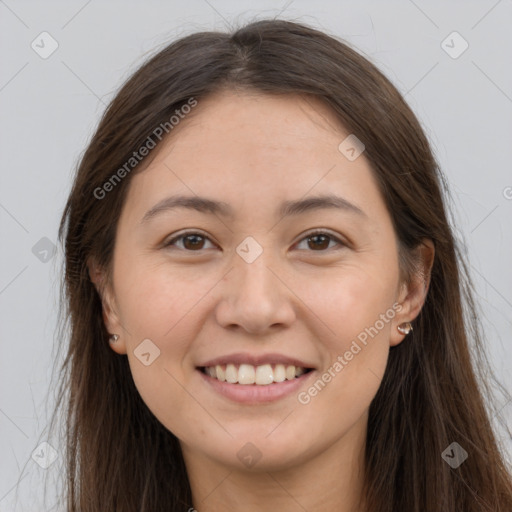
x: 247, y: 374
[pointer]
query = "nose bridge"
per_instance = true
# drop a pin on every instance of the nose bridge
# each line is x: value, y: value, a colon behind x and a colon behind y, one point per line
x: 254, y: 298
x: 254, y: 277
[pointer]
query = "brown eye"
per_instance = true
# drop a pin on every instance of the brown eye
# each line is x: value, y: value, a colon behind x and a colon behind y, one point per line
x: 195, y: 242
x: 319, y: 241
x: 191, y: 242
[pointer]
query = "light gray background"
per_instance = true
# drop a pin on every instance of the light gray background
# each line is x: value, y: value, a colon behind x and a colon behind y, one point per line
x: 50, y: 107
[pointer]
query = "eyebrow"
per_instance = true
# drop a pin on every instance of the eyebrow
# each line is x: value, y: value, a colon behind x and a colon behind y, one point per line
x: 286, y: 209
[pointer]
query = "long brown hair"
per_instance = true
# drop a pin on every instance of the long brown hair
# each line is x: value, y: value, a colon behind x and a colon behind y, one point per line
x: 119, y: 457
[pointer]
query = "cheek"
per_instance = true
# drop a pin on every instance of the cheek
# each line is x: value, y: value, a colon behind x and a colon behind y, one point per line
x: 160, y: 304
x: 356, y: 312
x: 155, y: 299
x: 351, y: 300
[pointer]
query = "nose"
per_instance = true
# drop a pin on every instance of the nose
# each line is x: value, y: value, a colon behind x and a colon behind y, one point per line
x: 255, y: 297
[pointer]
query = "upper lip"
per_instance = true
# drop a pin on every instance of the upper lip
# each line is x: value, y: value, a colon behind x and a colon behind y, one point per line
x: 255, y: 360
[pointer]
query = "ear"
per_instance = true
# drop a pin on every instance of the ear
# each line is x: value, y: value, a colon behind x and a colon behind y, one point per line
x: 412, y: 295
x: 110, y: 315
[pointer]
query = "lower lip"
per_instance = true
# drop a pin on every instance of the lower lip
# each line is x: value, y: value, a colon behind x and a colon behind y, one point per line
x: 252, y: 393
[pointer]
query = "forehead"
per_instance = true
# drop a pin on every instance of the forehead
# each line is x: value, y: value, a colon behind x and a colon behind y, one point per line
x: 263, y: 118
x: 250, y: 148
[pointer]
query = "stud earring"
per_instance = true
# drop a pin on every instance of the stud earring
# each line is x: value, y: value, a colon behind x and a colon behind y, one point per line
x: 405, y: 328
x: 113, y: 338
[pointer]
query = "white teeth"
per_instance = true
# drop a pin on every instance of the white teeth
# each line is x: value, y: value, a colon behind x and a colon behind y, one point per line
x: 264, y: 375
x: 221, y: 374
x: 231, y: 373
x: 247, y: 374
x: 279, y: 373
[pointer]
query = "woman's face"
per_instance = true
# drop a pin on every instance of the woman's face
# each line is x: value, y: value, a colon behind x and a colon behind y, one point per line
x: 239, y: 284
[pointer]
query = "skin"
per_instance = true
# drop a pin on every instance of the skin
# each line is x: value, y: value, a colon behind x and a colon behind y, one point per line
x: 306, y: 299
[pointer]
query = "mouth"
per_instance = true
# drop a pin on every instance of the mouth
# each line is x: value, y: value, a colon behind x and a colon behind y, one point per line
x: 251, y: 375
x: 255, y: 378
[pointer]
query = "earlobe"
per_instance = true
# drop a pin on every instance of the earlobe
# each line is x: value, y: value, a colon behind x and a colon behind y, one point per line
x: 116, y: 344
x: 110, y: 316
x: 113, y: 325
x: 400, y: 332
x: 414, y: 293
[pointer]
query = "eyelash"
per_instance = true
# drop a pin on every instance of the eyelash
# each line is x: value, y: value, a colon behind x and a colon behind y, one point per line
x: 306, y: 236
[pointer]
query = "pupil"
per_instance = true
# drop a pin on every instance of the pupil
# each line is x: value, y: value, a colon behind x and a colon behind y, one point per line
x: 194, y: 243
x: 325, y: 239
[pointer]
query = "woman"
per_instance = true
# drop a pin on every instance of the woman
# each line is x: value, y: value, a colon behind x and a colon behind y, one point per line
x: 265, y: 297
